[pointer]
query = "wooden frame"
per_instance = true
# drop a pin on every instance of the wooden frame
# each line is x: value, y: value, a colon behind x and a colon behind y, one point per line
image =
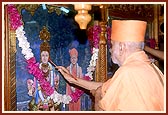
x: 9, y: 65
x: 10, y: 99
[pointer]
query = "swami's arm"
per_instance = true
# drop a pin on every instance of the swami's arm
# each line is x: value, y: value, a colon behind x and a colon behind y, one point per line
x: 89, y: 85
x: 154, y: 52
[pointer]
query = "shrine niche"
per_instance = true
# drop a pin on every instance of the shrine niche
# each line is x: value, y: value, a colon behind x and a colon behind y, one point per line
x: 37, y: 24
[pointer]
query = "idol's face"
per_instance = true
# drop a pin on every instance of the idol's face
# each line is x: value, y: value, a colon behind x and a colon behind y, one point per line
x: 74, y: 59
x: 44, y: 57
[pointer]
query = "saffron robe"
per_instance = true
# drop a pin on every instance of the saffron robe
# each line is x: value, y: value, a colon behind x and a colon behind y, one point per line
x: 135, y: 86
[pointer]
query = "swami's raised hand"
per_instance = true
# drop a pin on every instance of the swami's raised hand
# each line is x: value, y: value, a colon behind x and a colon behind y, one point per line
x: 67, y: 75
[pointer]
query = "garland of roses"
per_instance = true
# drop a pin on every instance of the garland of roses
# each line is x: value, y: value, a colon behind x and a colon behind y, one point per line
x: 93, y: 37
x: 33, y: 67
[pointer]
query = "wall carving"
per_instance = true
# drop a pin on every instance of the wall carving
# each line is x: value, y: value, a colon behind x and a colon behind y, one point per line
x: 132, y: 11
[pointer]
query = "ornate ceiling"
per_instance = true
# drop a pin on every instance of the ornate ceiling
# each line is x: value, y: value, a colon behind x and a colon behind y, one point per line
x: 126, y: 11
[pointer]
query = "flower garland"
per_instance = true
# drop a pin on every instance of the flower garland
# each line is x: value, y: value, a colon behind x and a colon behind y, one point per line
x: 78, y: 93
x: 92, y: 64
x: 93, y: 37
x: 14, y: 16
x: 33, y: 67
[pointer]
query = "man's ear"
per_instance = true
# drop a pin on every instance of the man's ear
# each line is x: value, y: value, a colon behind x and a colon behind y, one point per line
x: 122, y: 47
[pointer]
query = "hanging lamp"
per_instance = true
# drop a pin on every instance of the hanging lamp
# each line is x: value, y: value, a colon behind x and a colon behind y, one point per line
x: 82, y: 18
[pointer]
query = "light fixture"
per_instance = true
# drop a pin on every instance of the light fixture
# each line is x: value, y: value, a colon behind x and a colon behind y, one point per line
x: 82, y: 18
x: 44, y: 6
x: 64, y: 9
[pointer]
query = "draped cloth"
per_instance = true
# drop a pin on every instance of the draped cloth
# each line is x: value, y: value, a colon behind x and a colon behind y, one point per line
x: 135, y: 86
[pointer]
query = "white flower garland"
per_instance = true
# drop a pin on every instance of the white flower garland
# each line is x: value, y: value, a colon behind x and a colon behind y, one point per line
x: 92, y: 64
x: 27, y: 52
x: 16, y: 24
x: 23, y: 43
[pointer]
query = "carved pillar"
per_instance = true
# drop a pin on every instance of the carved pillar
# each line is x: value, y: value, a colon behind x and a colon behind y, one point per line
x: 9, y: 66
x: 102, y: 60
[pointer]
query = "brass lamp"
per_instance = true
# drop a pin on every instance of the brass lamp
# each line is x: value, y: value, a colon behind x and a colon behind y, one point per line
x: 82, y: 18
